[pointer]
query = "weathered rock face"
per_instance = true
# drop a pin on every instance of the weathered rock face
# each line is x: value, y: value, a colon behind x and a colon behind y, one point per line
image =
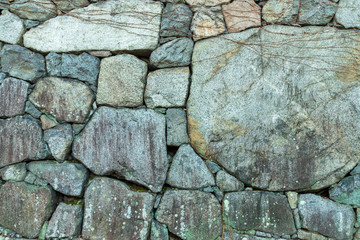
x: 112, y: 211
x: 68, y: 5
x: 347, y: 13
x: 11, y: 28
x: 176, y: 127
x: 206, y: 3
x: 227, y: 182
x: 66, y: 100
x: 126, y: 143
x: 24, y: 208
x: 207, y: 22
x: 197, y: 215
x: 316, y: 12
x: 158, y: 231
x: 347, y: 191
x: 39, y: 10
x: 15, y: 172
x: 175, y: 22
x: 59, y: 140
x: 133, y: 26
x: 280, y: 11
x: 13, y: 94
x: 263, y: 211
x: 321, y: 215
x: 274, y: 122
x: 21, y: 138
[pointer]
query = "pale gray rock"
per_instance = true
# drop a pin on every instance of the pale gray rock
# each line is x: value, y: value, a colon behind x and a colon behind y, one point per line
x: 284, y: 121
x: 310, y: 235
x: 65, y: 222
x: 13, y: 94
x: 197, y: 215
x: 133, y: 26
x: 281, y: 11
x: 4, y: 4
x: 158, y: 231
x: 31, y: 23
x: 113, y: 211
x: 347, y: 191
x: 326, y: 217
x: 348, y: 13
x: 188, y: 170
x: 316, y: 12
x: 16, y: 172
x: 38, y: 10
x: 21, y: 139
x: 11, y: 28
x: 176, y: 20
x: 24, y: 208
x: 32, y: 110
x: 293, y: 199
x: 66, y: 100
x: 68, y: 5
x: 121, y: 81
x: 263, y: 211
x: 176, y: 127
x: 176, y: 53
x: 59, y: 140
x: 53, y: 64
x: 130, y: 143
x: 227, y: 182
x: 207, y: 22
x: 213, y: 167
x: 67, y: 178
x: 167, y: 88
x: 22, y: 63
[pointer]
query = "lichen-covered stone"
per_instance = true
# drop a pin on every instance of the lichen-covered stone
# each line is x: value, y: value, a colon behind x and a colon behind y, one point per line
x: 39, y: 10
x: 47, y: 122
x: 347, y: 191
x: 24, y: 208
x: 66, y: 100
x: 348, y: 13
x: 309, y: 235
x: 176, y: 127
x: 281, y: 11
x: 197, y: 215
x: 239, y: 236
x: 263, y: 211
x: 67, y: 178
x: 206, y: 3
x: 176, y: 20
x: 227, y: 182
x: 316, y: 12
x: 16, y: 172
x: 113, y: 211
x: 207, y: 22
x: 32, y: 110
x: 59, y: 140
x: 11, y: 28
x: 125, y: 143
x: 293, y: 199
x: 13, y: 94
x: 159, y: 231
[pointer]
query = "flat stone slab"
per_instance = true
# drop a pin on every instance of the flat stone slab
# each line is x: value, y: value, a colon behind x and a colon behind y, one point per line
x: 13, y: 94
x: 273, y: 106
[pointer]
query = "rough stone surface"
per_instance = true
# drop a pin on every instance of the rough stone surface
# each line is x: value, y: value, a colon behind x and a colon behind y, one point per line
x: 112, y: 211
x: 65, y: 222
x: 176, y: 53
x: 11, y: 28
x: 31, y: 109
x: 197, y: 215
x: 24, y: 208
x: 16, y: 172
x: 176, y: 127
x: 214, y: 168
x: 316, y: 12
x: 207, y: 22
x: 66, y: 100
x: 84, y: 67
x: 13, y: 94
x: 348, y: 13
x: 241, y: 14
x: 47, y: 122
x: 39, y: 10
x: 31, y: 23
x: 326, y: 217
x: 21, y: 138
x: 347, y: 191
x: 68, y: 5
x: 176, y: 20
x: 293, y: 199
x: 130, y: 143
x: 309, y: 235
x: 238, y: 236
x: 121, y: 81
x: 227, y: 182
x: 133, y: 26
x: 281, y: 11
x: 22, y: 63
x: 158, y: 231
x: 59, y: 140
x: 206, y: 3
x: 188, y: 170
x: 167, y: 88
x: 67, y: 178
x: 283, y: 122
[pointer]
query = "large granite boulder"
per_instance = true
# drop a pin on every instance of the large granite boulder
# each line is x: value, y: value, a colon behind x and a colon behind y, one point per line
x: 273, y: 106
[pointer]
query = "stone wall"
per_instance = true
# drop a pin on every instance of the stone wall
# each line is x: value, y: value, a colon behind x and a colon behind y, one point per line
x: 180, y: 119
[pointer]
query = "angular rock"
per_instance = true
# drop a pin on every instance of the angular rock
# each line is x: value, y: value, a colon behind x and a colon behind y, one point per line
x: 31, y: 23
x: 263, y: 211
x: 281, y: 11
x: 24, y: 208
x: 239, y: 236
x: 213, y: 167
x: 21, y: 139
x: 68, y: 5
x: 47, y: 122
x: 130, y: 143
x: 279, y: 125
x: 356, y: 170
x: 227, y: 182
x: 67, y: 178
x: 59, y: 140
x: 348, y: 13
x: 316, y: 12
x: 347, y: 191
x: 206, y: 3
x: 241, y: 14
x: 158, y: 231
x: 309, y: 235
x: 133, y: 26
x: 176, y: 20
x: 11, y: 28
x: 65, y: 222
x: 16, y: 172
x: 39, y: 10
x: 326, y: 217
x: 22, y: 63
x: 197, y: 215
x: 112, y: 211
x: 121, y: 81
x: 188, y: 170
x: 31, y: 109
x: 13, y: 94
x: 176, y: 127
x: 66, y: 100
x: 167, y: 88
x: 293, y: 199
x: 176, y: 53
x: 207, y: 22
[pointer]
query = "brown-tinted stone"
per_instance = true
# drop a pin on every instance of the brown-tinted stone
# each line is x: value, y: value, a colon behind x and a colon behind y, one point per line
x: 47, y: 122
x: 207, y: 22
x: 13, y: 94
